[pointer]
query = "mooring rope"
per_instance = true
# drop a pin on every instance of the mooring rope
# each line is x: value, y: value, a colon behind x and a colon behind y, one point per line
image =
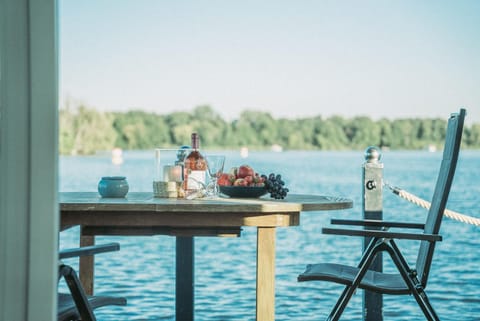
x: 423, y: 203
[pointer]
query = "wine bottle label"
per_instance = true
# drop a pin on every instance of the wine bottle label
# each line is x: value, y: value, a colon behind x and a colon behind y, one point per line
x: 196, y: 179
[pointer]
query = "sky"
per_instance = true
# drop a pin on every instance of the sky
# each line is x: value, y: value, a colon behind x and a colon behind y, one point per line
x: 297, y: 58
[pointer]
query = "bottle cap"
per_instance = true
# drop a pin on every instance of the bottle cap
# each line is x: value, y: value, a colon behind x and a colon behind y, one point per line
x: 195, y: 140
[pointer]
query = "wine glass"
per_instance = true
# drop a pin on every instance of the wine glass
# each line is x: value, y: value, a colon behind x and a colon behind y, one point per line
x: 215, y: 168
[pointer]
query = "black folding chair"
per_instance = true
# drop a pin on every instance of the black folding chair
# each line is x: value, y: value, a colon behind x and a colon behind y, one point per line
x: 408, y: 280
x: 76, y: 305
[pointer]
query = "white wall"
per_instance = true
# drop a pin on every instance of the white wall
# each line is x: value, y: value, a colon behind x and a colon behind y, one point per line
x: 28, y: 160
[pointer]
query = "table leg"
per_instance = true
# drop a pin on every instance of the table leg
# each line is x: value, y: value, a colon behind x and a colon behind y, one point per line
x: 184, y: 295
x: 86, y: 264
x: 266, y: 274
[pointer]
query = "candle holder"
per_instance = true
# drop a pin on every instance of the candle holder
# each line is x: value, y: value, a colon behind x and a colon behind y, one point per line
x: 168, y: 173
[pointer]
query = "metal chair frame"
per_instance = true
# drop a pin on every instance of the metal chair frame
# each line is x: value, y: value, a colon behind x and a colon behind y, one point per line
x: 76, y: 305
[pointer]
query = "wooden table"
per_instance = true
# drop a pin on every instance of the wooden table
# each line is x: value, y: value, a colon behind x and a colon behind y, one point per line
x: 142, y: 214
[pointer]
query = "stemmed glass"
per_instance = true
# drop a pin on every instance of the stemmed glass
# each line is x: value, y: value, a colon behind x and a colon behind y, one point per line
x: 215, y: 168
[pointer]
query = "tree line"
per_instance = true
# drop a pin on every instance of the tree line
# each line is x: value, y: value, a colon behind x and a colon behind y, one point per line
x: 84, y: 130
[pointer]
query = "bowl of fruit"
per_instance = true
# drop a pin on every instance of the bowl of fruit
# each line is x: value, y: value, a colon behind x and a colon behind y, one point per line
x: 243, y: 191
x: 244, y: 182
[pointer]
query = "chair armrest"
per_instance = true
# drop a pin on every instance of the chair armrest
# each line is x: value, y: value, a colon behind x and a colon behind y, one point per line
x: 378, y: 223
x: 89, y: 250
x: 384, y: 234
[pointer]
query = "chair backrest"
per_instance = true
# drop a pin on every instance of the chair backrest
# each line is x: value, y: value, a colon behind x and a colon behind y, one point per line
x: 442, y: 189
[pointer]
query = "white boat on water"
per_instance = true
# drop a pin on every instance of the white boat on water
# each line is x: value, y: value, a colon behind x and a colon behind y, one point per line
x: 276, y: 148
x: 244, y: 152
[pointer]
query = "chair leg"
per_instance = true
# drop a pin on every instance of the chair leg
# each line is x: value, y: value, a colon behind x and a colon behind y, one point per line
x: 424, y: 303
x: 341, y: 304
x: 337, y: 304
x: 416, y: 289
x: 349, y: 290
x: 78, y: 295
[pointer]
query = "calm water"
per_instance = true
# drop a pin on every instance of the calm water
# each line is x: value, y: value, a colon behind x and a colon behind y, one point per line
x: 144, y: 270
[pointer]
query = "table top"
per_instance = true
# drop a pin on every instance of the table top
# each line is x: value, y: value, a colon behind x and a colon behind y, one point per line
x: 144, y: 211
x: 146, y: 202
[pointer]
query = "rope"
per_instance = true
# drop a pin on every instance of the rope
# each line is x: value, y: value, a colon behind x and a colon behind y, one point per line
x: 423, y: 203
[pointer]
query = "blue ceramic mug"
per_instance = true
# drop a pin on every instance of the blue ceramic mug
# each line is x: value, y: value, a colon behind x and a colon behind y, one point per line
x: 113, y: 186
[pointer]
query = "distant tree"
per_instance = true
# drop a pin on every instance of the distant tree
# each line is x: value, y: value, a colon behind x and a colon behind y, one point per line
x: 261, y: 126
x: 210, y: 125
x: 180, y: 127
x: 93, y: 131
x: 66, y: 131
x: 330, y: 134
x: 386, y: 133
x: 362, y: 131
x: 85, y: 130
x: 140, y: 130
x: 310, y: 128
x: 252, y: 128
x: 403, y: 134
x: 293, y: 134
x: 472, y: 137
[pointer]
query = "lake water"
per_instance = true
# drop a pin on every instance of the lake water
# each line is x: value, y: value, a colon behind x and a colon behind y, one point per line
x: 144, y: 269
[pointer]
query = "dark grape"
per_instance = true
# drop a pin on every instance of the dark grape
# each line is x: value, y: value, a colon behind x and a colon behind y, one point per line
x: 275, y: 186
